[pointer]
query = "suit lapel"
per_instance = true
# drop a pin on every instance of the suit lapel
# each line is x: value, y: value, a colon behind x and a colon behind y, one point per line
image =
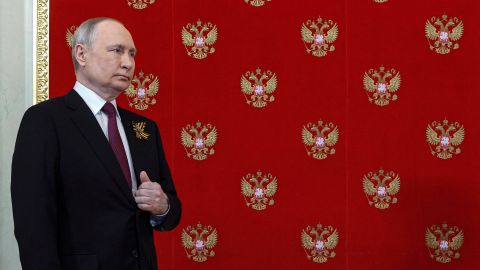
x: 127, y: 122
x: 88, y: 126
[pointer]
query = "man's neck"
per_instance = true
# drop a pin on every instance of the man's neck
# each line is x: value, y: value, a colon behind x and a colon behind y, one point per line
x: 106, y: 95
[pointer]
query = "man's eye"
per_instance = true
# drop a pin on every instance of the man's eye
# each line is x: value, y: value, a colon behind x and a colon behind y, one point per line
x: 117, y: 50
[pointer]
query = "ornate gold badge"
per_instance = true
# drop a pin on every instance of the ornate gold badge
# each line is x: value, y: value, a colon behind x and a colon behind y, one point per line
x: 198, y: 39
x: 318, y: 36
x: 380, y: 188
x: 258, y: 190
x: 199, y: 242
x: 444, y: 33
x: 319, y: 139
x: 444, y: 138
x: 142, y: 91
x: 69, y: 35
x: 138, y: 128
x: 258, y: 87
x: 381, y: 85
x: 139, y: 4
x: 443, y: 242
x: 256, y: 3
x: 319, y: 242
x: 198, y: 140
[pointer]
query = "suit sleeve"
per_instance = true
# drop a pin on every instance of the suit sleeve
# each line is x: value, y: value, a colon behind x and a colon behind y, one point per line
x: 173, y: 217
x: 34, y: 192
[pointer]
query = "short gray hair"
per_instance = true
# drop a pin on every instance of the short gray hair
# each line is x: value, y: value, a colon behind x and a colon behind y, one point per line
x: 85, y: 34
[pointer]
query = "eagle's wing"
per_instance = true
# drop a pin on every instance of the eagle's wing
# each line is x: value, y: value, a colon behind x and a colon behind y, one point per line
x: 430, y: 31
x: 247, y: 87
x: 458, y: 136
x: 394, y: 186
x: 69, y: 38
x: 153, y: 88
x: 187, y: 38
x: 247, y: 189
x: 307, y: 240
x: 211, y: 137
x: 187, y: 139
x: 369, y: 83
x: 431, y: 240
x: 211, y: 36
x: 307, y: 34
x: 130, y: 91
x: 394, y: 83
x: 432, y: 136
x: 332, y: 240
x: 187, y: 240
x: 271, y: 84
x: 457, y: 241
x: 332, y: 34
x: 368, y: 186
x: 307, y: 137
x: 211, y: 239
x: 332, y: 137
x: 456, y: 32
x: 271, y: 188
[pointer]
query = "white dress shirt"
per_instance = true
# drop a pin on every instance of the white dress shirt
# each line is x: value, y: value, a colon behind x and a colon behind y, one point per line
x: 95, y: 103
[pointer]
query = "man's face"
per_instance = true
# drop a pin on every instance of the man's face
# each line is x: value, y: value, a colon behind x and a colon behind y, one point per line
x: 109, y: 62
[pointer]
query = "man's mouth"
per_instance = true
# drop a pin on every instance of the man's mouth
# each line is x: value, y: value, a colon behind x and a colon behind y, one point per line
x: 124, y: 77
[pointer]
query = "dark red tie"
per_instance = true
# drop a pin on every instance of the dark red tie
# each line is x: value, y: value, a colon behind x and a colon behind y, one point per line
x: 116, y: 141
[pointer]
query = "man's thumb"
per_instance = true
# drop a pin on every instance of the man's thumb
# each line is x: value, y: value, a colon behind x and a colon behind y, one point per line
x: 144, y: 177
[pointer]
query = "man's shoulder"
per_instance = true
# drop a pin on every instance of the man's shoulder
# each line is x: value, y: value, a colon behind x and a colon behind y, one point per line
x: 50, y: 106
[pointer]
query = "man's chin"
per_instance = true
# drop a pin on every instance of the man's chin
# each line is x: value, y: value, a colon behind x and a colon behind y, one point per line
x: 121, y: 85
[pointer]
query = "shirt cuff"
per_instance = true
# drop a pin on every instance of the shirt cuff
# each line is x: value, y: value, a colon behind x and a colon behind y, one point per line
x: 156, y: 220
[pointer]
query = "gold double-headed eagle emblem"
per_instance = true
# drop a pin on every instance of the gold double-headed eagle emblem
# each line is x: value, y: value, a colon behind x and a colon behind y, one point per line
x: 256, y: 3
x: 319, y: 36
x: 444, y: 138
x: 381, y: 187
x: 319, y: 242
x: 320, y: 138
x: 140, y: 4
x: 142, y: 90
x: 198, y: 140
x: 199, y: 241
x: 381, y: 85
x: 443, y: 33
x: 443, y: 242
x: 198, y: 39
x: 258, y: 87
x: 258, y: 190
x: 380, y: 1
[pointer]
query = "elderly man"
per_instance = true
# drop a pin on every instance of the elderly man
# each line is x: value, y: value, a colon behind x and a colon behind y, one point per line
x: 89, y: 180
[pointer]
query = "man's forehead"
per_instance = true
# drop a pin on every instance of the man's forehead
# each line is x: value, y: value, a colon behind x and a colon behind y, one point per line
x: 113, y: 32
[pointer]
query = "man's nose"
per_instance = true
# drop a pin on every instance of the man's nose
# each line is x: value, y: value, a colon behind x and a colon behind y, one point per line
x: 127, y: 61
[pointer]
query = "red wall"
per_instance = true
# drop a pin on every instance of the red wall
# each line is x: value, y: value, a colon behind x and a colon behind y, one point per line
x: 433, y: 87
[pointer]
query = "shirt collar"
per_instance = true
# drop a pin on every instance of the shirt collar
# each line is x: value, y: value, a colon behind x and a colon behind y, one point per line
x: 93, y: 100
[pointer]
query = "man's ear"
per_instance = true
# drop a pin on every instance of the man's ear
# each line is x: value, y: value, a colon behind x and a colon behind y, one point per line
x: 81, y: 54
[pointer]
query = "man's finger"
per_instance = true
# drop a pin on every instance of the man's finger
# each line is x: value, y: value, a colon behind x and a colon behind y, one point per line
x: 144, y: 177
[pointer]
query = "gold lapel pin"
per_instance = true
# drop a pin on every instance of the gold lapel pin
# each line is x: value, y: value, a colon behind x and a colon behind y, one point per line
x: 139, y: 128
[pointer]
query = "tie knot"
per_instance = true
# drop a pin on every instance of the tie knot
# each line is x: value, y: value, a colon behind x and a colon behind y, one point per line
x: 109, y: 109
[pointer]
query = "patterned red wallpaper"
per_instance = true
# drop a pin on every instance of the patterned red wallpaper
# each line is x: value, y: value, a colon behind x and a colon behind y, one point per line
x: 306, y: 134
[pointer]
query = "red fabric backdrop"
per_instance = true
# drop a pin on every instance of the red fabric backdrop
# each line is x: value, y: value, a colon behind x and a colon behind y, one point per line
x: 310, y: 191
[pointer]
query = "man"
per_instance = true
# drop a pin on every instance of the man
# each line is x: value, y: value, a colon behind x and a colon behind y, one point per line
x: 89, y: 180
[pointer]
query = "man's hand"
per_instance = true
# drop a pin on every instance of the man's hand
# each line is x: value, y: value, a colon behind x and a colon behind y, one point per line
x: 150, y: 196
